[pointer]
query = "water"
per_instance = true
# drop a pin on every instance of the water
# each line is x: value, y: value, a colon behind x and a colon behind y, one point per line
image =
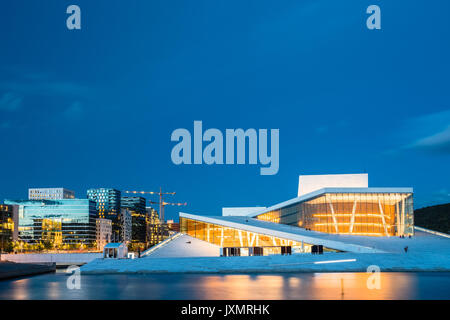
x: 235, y: 286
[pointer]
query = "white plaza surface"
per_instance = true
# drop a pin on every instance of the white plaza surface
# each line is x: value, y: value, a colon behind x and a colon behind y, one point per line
x: 426, y: 252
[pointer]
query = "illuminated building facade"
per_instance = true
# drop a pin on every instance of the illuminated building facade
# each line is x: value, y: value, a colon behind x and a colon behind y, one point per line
x: 107, y: 202
x: 108, y: 206
x: 8, y: 226
x: 136, y: 206
x: 362, y: 212
x: 50, y: 194
x: 66, y: 221
x: 326, y: 205
x: 156, y: 231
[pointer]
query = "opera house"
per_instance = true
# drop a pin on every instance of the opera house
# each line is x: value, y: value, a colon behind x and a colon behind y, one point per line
x: 329, y: 212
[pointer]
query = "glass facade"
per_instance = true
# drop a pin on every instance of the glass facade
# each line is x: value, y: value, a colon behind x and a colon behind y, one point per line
x: 107, y: 202
x: 67, y: 221
x: 226, y: 237
x: 7, y: 225
x: 369, y: 214
x: 108, y: 206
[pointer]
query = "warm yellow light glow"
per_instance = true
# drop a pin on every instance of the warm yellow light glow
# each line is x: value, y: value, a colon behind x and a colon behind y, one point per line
x: 355, y: 223
x: 326, y: 215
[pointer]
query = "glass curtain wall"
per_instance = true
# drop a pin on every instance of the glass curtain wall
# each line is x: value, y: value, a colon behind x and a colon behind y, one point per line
x: 226, y: 237
x: 370, y: 214
x: 68, y: 221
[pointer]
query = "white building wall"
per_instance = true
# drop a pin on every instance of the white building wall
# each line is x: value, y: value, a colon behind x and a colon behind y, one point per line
x: 240, y: 211
x: 310, y: 183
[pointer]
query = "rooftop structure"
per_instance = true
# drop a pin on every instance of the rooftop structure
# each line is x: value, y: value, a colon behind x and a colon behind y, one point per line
x: 50, y: 194
x: 310, y: 183
x: 107, y: 202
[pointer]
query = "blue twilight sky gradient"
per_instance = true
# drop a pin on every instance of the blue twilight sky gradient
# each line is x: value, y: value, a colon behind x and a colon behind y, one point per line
x: 96, y: 107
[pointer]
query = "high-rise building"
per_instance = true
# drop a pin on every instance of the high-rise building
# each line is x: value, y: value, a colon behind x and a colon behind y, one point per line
x: 8, y: 226
x: 107, y: 201
x: 59, y: 222
x: 50, y: 194
x: 136, y: 206
x: 104, y: 232
x: 108, y: 207
x: 156, y: 231
x: 125, y: 225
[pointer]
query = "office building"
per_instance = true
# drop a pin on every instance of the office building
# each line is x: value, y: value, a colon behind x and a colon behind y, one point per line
x: 8, y: 226
x: 59, y: 222
x: 50, y: 194
x: 107, y: 202
x: 173, y: 226
x: 103, y: 232
x: 156, y: 230
x: 125, y: 225
x: 136, y: 206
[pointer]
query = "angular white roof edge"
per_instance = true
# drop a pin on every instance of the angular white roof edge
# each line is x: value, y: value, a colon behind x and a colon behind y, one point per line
x: 338, y: 245
x: 330, y: 190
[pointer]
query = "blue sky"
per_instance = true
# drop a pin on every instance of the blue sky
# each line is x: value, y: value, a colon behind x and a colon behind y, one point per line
x: 96, y: 107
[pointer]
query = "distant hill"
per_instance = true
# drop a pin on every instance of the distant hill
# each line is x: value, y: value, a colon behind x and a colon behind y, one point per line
x: 435, y: 217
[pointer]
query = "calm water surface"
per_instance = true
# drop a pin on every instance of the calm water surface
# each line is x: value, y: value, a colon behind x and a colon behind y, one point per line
x: 262, y: 286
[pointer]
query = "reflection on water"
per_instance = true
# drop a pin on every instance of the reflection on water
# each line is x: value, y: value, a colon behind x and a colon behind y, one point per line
x: 248, y: 286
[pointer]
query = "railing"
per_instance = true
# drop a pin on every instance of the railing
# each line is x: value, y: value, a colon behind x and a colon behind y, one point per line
x: 161, y: 244
x: 432, y: 232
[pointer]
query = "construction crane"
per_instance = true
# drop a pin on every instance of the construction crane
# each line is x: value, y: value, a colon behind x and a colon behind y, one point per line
x: 161, y: 202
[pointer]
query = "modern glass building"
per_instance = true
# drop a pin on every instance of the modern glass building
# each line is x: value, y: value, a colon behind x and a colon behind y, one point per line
x: 8, y: 225
x: 66, y: 221
x: 136, y: 206
x: 327, y: 206
x: 156, y: 230
x: 107, y: 201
